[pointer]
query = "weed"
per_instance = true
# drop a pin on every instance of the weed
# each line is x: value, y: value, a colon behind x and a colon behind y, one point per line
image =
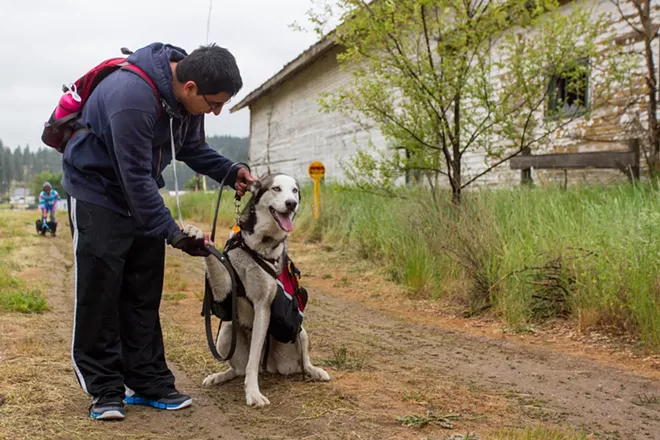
x: 414, y: 421
x: 174, y: 296
x: 647, y: 399
x: 344, y: 359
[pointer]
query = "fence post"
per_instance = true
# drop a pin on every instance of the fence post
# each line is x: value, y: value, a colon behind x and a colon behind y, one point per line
x: 633, y: 144
x: 526, y: 173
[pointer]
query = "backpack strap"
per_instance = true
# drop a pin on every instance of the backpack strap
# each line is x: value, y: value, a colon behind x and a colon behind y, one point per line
x: 141, y: 73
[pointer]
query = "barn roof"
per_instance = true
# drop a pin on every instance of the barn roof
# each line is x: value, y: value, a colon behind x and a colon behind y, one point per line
x: 303, y: 60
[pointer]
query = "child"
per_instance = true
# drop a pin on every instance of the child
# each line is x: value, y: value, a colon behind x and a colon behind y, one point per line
x: 48, y: 202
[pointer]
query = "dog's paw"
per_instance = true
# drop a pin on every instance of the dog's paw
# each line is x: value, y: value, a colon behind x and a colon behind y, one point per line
x: 255, y: 398
x: 316, y: 373
x: 193, y: 232
x: 217, y: 378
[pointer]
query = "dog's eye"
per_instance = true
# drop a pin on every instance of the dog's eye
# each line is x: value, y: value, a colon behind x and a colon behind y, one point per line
x: 277, y: 189
x: 295, y: 190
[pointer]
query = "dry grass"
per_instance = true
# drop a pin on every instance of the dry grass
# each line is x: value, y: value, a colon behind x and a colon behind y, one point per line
x: 372, y: 384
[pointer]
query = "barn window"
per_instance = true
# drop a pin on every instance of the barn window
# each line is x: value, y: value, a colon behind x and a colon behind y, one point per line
x: 568, y: 92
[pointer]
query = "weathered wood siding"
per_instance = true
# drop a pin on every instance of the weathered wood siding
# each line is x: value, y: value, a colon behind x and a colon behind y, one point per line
x: 287, y: 130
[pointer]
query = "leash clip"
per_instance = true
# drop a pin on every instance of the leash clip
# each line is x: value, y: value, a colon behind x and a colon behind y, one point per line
x: 237, y: 213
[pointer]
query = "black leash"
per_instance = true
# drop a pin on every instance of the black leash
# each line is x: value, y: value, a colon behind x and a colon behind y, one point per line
x: 207, y: 304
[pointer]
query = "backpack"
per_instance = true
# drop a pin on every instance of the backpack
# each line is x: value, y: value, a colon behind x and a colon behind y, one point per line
x: 64, y: 121
x: 288, y: 307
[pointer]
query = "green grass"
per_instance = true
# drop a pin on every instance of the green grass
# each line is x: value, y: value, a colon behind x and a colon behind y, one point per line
x: 16, y: 296
x: 200, y: 207
x: 587, y: 254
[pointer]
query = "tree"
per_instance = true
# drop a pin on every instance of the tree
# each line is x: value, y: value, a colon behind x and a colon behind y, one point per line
x: 6, y: 169
x: 194, y: 184
x: 639, y: 17
x: 18, y: 165
x: 444, y: 79
x: 4, y: 165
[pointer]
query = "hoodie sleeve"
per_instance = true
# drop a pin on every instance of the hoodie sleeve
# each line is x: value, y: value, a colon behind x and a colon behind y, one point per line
x: 131, y: 131
x: 205, y: 160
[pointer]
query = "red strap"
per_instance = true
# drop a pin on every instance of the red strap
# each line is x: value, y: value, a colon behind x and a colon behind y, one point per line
x: 140, y: 72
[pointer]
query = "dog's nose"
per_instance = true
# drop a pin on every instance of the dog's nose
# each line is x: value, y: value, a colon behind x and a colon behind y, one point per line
x: 291, y: 204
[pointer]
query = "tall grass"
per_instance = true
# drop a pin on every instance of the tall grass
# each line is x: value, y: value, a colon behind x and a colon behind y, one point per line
x: 587, y: 254
x: 200, y: 207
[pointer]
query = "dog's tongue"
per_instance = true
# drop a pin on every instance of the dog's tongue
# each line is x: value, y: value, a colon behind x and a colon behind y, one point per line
x: 285, y: 221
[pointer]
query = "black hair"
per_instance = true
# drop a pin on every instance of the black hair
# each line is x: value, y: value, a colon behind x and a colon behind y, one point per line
x: 212, y: 68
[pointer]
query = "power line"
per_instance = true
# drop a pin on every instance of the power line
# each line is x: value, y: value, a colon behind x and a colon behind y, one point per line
x: 208, y: 21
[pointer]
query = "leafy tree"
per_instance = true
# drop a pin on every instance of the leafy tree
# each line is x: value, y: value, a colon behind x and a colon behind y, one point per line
x: 447, y: 79
x: 194, y: 184
x: 643, y: 24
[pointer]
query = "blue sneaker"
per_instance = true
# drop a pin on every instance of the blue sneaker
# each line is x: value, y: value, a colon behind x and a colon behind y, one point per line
x: 171, y: 402
x: 107, y: 411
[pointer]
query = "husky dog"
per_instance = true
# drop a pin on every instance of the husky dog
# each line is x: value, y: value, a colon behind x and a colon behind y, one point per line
x: 264, y: 226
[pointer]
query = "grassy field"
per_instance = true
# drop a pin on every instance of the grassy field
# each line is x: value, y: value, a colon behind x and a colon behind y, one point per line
x: 588, y: 255
x: 15, y: 294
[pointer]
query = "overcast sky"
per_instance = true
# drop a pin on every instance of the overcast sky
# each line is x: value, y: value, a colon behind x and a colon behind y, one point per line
x: 45, y: 43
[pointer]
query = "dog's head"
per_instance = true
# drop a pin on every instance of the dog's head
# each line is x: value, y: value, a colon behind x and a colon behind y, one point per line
x: 276, y: 196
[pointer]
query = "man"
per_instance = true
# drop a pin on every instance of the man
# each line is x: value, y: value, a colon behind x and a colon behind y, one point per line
x: 48, y: 203
x: 120, y: 224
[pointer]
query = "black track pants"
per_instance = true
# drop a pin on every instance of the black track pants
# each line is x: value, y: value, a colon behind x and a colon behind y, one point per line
x: 117, y: 338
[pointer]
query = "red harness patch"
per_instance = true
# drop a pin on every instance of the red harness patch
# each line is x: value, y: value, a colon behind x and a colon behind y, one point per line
x: 288, y: 281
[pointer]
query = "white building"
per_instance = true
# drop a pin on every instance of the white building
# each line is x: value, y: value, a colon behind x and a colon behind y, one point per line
x: 288, y: 132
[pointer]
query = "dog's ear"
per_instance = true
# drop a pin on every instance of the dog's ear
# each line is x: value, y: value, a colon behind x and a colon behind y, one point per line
x: 260, y: 187
x: 255, y: 186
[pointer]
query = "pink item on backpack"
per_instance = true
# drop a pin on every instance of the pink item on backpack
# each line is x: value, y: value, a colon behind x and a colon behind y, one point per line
x: 68, y: 104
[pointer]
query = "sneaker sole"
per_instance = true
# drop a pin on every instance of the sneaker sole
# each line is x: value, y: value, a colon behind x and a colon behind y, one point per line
x: 137, y: 400
x: 108, y: 415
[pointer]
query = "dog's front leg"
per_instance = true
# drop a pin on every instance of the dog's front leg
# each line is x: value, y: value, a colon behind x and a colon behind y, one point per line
x: 259, y: 329
x: 315, y: 373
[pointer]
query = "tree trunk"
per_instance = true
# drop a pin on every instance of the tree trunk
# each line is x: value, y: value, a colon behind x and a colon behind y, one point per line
x: 645, y: 18
x: 456, y: 165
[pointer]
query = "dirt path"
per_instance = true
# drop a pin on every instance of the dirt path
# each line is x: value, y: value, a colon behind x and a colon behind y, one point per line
x: 390, y: 365
x: 65, y: 407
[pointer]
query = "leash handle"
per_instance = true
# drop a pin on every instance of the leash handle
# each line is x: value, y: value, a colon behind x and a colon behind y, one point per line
x: 208, y: 304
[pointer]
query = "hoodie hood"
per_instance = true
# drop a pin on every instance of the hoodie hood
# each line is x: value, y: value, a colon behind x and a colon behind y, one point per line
x: 154, y: 60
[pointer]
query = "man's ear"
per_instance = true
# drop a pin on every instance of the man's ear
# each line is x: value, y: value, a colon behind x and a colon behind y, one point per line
x: 190, y: 87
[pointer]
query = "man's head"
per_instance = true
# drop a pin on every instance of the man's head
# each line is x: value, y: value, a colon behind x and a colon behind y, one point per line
x: 206, y: 80
x: 47, y: 187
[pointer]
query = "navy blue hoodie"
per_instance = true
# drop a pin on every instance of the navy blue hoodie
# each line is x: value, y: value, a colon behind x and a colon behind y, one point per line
x: 118, y: 164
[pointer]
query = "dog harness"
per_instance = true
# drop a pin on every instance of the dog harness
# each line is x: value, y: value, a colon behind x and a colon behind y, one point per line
x: 288, y: 307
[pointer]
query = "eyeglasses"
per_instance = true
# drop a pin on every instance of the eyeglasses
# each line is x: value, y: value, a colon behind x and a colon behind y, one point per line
x: 215, y: 105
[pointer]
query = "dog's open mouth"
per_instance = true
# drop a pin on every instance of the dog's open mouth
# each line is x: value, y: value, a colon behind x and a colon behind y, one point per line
x: 284, y: 220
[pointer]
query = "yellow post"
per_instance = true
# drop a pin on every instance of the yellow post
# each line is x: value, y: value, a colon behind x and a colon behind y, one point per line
x: 317, y: 198
x: 316, y: 171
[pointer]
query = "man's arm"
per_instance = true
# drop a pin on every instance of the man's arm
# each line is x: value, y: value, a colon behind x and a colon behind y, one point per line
x: 130, y: 132
x: 205, y: 160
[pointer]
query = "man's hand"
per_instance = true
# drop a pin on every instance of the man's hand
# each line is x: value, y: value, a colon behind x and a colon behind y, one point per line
x: 243, y: 180
x: 191, y: 245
